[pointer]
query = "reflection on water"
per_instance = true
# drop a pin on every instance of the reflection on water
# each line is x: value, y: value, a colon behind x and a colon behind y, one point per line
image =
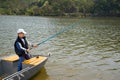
x: 42, y: 75
x: 89, y: 51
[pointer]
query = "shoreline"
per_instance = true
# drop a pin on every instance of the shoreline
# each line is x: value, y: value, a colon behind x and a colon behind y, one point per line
x: 66, y: 16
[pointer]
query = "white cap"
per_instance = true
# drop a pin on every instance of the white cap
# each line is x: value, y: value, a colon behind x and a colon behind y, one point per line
x: 21, y: 31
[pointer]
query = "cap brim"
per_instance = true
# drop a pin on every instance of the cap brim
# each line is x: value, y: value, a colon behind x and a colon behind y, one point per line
x: 22, y: 32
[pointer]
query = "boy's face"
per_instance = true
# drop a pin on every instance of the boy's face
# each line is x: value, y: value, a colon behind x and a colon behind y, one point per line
x: 21, y: 35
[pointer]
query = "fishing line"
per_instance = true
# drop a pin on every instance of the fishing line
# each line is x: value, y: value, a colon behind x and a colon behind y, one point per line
x: 58, y: 33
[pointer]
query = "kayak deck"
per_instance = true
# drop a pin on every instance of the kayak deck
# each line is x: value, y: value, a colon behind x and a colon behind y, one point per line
x: 8, y: 65
x: 33, y: 61
x: 11, y: 58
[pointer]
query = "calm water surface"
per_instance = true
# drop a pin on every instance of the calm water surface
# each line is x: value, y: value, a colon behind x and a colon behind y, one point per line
x: 89, y: 51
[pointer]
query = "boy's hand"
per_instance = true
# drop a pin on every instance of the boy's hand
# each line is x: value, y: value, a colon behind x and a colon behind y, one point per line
x: 28, y: 50
x: 35, y: 45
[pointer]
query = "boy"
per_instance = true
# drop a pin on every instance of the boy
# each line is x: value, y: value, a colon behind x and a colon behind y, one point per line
x: 22, y: 47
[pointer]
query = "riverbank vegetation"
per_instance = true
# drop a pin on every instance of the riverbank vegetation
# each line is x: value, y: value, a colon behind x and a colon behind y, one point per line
x: 60, y: 7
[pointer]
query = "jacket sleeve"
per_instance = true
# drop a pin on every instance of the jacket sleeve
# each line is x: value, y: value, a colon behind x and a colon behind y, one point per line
x: 19, y: 46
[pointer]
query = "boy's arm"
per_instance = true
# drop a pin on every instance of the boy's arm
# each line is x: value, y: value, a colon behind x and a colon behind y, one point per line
x: 31, y: 44
x: 19, y: 46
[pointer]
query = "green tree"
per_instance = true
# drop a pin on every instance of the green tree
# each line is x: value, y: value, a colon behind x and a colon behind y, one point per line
x: 60, y: 7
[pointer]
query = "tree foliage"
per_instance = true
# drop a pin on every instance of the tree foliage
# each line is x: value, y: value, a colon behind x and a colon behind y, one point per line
x: 60, y: 7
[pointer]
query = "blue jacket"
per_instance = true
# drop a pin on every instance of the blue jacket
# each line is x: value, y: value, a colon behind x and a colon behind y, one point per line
x: 20, y: 46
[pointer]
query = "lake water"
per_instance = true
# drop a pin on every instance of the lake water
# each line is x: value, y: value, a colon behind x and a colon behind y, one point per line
x: 88, y: 51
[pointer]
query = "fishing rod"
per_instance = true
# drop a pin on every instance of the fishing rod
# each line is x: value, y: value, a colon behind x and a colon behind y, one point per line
x: 58, y: 33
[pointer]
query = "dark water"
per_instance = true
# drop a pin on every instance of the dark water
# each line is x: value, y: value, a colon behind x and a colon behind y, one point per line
x: 89, y: 51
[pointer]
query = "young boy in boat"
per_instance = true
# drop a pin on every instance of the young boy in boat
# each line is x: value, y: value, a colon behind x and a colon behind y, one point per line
x: 22, y: 47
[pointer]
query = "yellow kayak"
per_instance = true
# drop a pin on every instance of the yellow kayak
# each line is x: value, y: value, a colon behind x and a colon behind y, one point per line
x: 8, y: 67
